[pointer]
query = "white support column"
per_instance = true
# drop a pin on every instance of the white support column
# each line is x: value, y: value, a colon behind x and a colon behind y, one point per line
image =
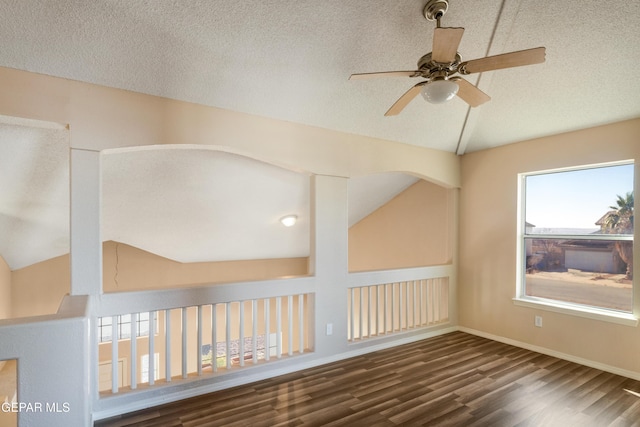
x: 329, y: 262
x: 86, y: 243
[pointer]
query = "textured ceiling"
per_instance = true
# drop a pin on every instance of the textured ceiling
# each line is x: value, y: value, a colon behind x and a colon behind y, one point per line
x: 290, y: 60
x: 34, y: 194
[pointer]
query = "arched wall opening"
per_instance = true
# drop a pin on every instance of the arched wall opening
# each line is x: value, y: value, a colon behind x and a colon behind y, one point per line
x: 189, y: 215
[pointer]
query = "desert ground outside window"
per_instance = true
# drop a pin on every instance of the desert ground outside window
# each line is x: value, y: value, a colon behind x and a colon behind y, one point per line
x: 575, y: 241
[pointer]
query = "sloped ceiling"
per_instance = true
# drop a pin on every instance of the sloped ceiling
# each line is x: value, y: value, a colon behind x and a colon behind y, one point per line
x: 201, y: 205
x: 34, y: 192
x: 290, y: 60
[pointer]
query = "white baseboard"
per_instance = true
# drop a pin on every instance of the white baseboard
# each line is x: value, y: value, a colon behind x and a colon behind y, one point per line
x: 586, y: 362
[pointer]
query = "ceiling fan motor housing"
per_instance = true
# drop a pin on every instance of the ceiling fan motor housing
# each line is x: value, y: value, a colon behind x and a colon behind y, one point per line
x: 427, y: 67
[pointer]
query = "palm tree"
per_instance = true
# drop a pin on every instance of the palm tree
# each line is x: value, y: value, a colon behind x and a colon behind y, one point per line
x: 620, y: 221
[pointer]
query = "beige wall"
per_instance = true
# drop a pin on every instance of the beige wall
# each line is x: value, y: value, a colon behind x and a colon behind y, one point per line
x: 487, y: 267
x: 139, y: 270
x: 101, y: 118
x: 5, y: 291
x: 39, y: 288
x: 411, y: 230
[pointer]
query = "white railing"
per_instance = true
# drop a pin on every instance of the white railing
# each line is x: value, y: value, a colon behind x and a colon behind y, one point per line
x: 223, y: 332
x: 50, y: 350
x: 379, y: 307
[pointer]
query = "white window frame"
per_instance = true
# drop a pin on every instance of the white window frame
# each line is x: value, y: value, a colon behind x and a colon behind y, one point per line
x: 104, y: 338
x: 523, y: 300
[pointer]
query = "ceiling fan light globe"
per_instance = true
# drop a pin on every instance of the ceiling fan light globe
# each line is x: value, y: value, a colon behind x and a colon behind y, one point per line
x: 439, y: 91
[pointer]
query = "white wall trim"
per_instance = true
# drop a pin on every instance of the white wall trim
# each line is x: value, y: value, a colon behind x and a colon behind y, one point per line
x: 543, y: 350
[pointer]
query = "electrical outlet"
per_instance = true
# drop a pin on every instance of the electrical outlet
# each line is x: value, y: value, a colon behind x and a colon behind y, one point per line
x: 329, y: 328
x: 538, y: 321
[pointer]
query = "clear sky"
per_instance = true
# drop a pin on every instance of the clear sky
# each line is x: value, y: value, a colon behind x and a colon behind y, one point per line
x: 575, y: 199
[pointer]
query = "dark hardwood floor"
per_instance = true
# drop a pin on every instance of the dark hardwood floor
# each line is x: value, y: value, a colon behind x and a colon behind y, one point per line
x: 451, y: 380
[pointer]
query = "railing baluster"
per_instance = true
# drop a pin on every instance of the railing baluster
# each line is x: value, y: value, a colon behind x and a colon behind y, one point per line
x: 415, y: 304
x: 114, y: 353
x: 432, y: 300
x: 290, y: 324
x: 134, y: 352
x: 386, y: 306
x: 267, y: 328
x: 254, y: 333
x: 152, y: 359
x: 439, y: 289
x: 228, y: 334
x: 378, y: 310
x: 199, y: 340
x: 407, y: 305
x: 420, y: 283
x: 402, y: 306
x: 167, y: 345
x: 352, y: 331
x: 360, y: 310
x: 184, y: 342
x: 301, y: 323
x: 278, y: 327
x: 214, y: 337
x: 241, y: 334
x: 369, y: 321
x: 393, y: 307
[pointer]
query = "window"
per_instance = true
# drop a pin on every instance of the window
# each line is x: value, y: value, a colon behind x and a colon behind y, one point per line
x: 576, y: 238
x: 123, y: 326
x: 144, y: 366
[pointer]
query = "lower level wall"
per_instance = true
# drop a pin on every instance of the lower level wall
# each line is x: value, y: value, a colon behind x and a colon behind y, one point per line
x: 38, y: 289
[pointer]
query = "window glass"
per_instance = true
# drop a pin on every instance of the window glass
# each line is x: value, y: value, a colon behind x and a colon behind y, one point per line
x: 105, y: 329
x: 578, y: 236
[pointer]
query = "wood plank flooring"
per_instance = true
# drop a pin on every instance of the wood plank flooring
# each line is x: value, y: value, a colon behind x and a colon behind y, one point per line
x: 451, y: 380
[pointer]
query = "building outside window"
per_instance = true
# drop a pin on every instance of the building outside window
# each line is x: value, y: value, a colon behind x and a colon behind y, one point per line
x: 123, y: 326
x: 576, y: 237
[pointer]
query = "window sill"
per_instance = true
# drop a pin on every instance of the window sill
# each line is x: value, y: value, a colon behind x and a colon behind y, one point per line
x: 626, y: 319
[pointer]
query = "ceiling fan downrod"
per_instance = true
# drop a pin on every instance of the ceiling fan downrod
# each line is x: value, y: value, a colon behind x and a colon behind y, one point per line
x: 435, y: 9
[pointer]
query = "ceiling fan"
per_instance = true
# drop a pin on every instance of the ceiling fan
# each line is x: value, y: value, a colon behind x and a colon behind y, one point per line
x: 440, y: 66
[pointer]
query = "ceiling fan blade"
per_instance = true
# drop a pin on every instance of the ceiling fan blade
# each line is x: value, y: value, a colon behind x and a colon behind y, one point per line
x: 445, y: 44
x: 470, y: 94
x: 362, y: 76
x: 404, y: 100
x: 506, y: 60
